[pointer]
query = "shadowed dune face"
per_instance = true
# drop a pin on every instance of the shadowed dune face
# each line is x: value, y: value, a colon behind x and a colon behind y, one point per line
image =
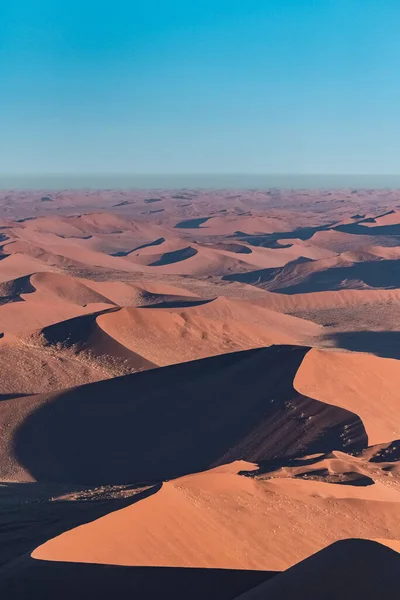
x: 74, y: 580
x: 243, y: 404
x: 156, y: 242
x: 294, y: 279
x: 192, y: 223
x: 43, y: 511
x: 175, y: 256
x: 347, y: 569
x: 269, y: 240
x: 382, y: 343
x: 10, y: 291
x: 84, y: 334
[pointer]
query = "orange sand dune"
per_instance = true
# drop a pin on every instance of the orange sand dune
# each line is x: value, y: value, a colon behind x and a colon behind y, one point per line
x: 29, y: 367
x: 361, y: 383
x: 228, y: 225
x: 22, y: 318
x: 67, y: 254
x: 70, y: 252
x: 83, y: 334
x: 277, y: 257
x: 63, y: 287
x: 354, y: 270
x: 166, y: 336
x: 329, y: 299
x: 339, y: 241
x: 84, y: 291
x: 212, y: 520
x: 390, y: 217
x: 152, y: 425
x: 81, y: 225
x: 18, y: 265
x: 387, y: 252
x: 194, y: 260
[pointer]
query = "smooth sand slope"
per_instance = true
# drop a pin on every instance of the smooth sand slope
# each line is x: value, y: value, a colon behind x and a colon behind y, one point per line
x: 364, y: 384
x: 171, y: 335
x: 212, y: 520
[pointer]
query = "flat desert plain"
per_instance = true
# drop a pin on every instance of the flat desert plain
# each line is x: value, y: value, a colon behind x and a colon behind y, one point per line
x: 199, y: 394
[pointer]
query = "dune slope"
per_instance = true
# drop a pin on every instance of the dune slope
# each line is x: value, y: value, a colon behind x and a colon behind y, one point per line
x: 152, y: 425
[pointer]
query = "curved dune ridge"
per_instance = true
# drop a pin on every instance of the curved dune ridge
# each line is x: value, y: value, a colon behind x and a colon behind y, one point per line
x: 173, y: 335
x: 174, y: 257
x: 244, y: 404
x: 83, y: 334
x: 180, y: 414
x: 92, y: 344
x: 361, y: 383
x: 354, y: 270
x: 10, y: 291
x: 201, y: 538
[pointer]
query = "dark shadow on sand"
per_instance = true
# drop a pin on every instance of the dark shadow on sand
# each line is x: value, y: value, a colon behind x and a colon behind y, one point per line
x: 178, y: 303
x: 84, y: 334
x: 45, y: 580
x: 29, y: 516
x: 379, y: 230
x: 378, y: 274
x: 168, y: 258
x: 381, y: 343
x: 161, y: 424
x: 192, y: 223
x: 269, y: 240
x: 156, y: 242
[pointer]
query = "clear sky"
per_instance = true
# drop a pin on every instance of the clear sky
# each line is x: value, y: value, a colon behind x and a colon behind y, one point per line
x: 191, y: 86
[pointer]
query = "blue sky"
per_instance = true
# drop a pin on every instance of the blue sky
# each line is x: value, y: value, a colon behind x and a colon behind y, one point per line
x: 185, y: 86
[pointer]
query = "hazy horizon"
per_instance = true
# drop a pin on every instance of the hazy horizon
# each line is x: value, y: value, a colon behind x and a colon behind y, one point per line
x: 98, y: 181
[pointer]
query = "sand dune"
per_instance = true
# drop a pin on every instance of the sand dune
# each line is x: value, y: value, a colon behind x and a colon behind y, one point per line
x: 243, y: 403
x: 19, y: 265
x: 62, y: 287
x: 11, y: 291
x: 212, y: 520
x: 83, y: 334
x: 84, y: 291
x: 274, y: 257
x: 30, y: 367
x: 328, y: 299
x: 364, y: 384
x: 71, y: 255
x: 228, y: 225
x: 350, y: 270
x: 23, y: 318
x: 172, y: 335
